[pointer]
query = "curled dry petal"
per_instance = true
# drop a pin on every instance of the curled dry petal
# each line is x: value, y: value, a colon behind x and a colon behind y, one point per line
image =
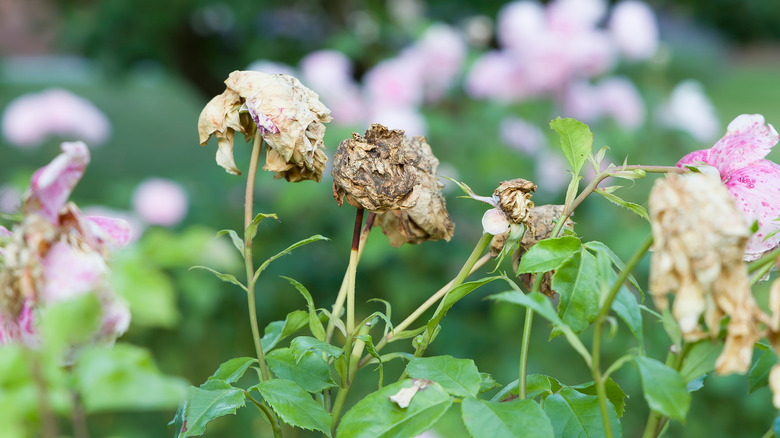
x: 288, y: 116
x: 514, y: 199
x: 376, y: 171
x: 52, y: 184
x: 428, y: 218
x: 699, y: 243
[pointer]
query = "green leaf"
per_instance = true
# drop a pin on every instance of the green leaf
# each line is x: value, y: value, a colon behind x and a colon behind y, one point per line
x: 452, y: 297
x: 124, y: 378
x: 576, y: 141
x: 577, y: 415
x: 617, y: 200
x: 147, y: 289
x: 233, y: 369
x: 309, y: 371
x: 212, y: 400
x: 700, y: 360
x: 516, y: 419
x: 758, y: 376
x: 278, y: 330
x: 251, y: 229
x: 577, y: 284
x: 459, y: 377
x: 303, y: 344
x: 487, y: 383
x: 664, y: 388
x: 538, y: 384
x: 237, y: 242
x: 615, y: 394
x: 671, y: 327
x: 600, y: 247
x: 376, y: 416
x: 627, y: 308
x: 286, y: 251
x: 541, y: 305
x: 229, y: 278
x: 294, y: 405
x: 315, y: 325
x: 548, y: 255
x: 70, y: 322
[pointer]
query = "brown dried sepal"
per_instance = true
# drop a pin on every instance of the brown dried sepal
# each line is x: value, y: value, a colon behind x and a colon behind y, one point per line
x: 376, y: 171
x: 514, y: 199
x: 428, y: 218
x: 699, y: 243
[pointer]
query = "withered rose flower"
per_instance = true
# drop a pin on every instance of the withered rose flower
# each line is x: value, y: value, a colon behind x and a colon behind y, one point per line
x: 699, y: 243
x: 376, y: 171
x: 428, y: 218
x: 514, y: 199
x: 288, y: 116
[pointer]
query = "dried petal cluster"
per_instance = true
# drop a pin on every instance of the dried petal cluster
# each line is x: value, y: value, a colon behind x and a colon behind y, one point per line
x: 428, y: 218
x: 56, y: 253
x: 288, y: 116
x: 514, y: 199
x: 699, y: 243
x: 376, y: 171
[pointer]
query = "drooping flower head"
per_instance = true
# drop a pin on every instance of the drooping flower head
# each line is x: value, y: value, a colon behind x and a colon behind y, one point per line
x: 288, y: 116
x: 752, y: 181
x: 56, y: 253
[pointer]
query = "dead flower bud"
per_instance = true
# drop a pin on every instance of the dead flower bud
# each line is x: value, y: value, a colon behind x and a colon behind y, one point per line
x: 376, y: 171
x: 700, y: 238
x: 514, y: 199
x: 288, y: 116
x: 428, y: 218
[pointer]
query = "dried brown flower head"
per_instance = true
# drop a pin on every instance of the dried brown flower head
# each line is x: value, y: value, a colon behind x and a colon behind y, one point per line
x: 514, y: 199
x: 700, y: 239
x: 289, y: 117
x: 428, y: 218
x: 376, y: 171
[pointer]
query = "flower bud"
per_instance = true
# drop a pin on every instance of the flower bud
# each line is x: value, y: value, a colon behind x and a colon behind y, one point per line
x: 376, y: 171
x: 514, y: 199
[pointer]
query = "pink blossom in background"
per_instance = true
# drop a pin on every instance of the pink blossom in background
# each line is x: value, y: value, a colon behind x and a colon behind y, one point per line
x: 69, y: 272
x: 522, y: 135
x: 689, y: 109
x: 495, y: 75
x: 441, y: 51
x: 582, y: 102
x: 272, y: 67
x: 575, y: 16
x: 32, y: 118
x: 160, y: 201
x: 20, y: 329
x: 394, y: 82
x: 115, y: 319
x: 10, y: 199
x: 753, y: 181
x: 52, y: 184
x: 407, y: 118
x: 621, y: 100
x: 635, y: 30
x: 551, y: 173
x: 329, y: 73
x: 520, y: 24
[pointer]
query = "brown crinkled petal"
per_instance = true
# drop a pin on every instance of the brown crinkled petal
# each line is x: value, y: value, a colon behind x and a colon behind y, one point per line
x: 376, y: 171
x: 220, y: 117
x: 514, y: 199
x: 699, y: 242
x: 540, y: 223
x: 428, y: 218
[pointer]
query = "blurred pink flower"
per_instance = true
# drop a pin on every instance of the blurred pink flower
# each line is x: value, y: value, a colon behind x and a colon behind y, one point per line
x: 69, y: 272
x: 20, y: 329
x: 582, y: 102
x: 522, y: 135
x: 634, y: 28
x: 575, y: 16
x: 753, y: 181
x: 551, y: 173
x: 98, y: 213
x: 440, y: 54
x: 52, y: 184
x: 408, y: 119
x: 394, y: 82
x: 520, y: 23
x: 160, y: 202
x: 495, y: 75
x: 329, y: 73
x: 620, y: 100
x: 272, y: 67
x: 690, y: 110
x: 30, y: 119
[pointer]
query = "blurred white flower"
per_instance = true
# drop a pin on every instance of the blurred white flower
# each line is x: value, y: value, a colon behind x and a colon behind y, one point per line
x: 31, y: 118
x: 272, y: 67
x: 689, y: 109
x: 634, y: 28
x: 160, y: 202
x: 574, y: 16
x: 522, y: 135
x: 520, y: 23
x: 407, y: 118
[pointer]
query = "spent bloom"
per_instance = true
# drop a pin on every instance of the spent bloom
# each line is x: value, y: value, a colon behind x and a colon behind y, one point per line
x: 56, y: 253
x: 511, y: 202
x: 160, y: 201
x: 286, y: 114
x: 752, y: 181
x: 32, y: 118
x: 699, y: 242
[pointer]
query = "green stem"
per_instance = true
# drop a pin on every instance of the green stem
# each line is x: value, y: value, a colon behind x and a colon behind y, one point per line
x: 529, y: 317
x: 759, y: 273
x: 338, y: 406
x: 767, y: 259
x: 45, y: 412
x: 598, y: 326
x: 352, y: 270
x: 267, y: 412
x: 248, y: 263
x: 769, y: 433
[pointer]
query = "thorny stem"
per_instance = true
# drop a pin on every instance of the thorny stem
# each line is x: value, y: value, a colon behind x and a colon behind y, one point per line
x: 248, y: 263
x: 423, y: 307
x: 352, y: 270
x: 598, y: 326
x: 342, y: 295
